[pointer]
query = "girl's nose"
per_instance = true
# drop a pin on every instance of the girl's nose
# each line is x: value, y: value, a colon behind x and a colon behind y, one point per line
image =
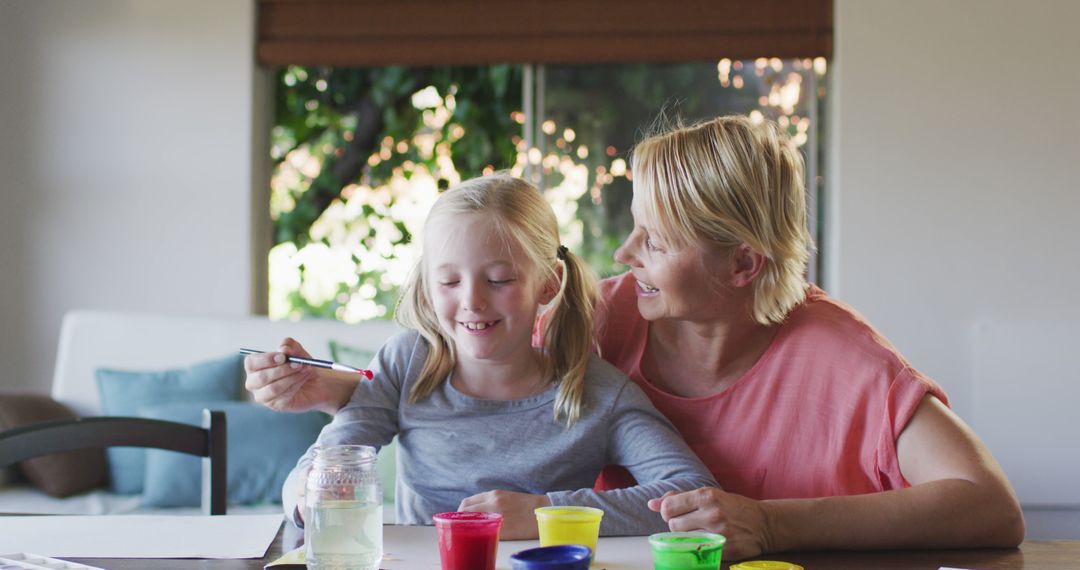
x: 474, y: 299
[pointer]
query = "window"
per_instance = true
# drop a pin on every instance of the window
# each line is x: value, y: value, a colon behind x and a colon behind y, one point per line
x: 361, y: 153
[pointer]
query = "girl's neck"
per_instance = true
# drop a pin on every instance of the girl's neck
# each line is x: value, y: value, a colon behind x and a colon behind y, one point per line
x: 509, y: 380
x: 698, y: 359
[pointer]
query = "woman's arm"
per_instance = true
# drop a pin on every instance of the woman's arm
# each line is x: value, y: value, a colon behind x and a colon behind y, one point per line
x: 959, y: 498
x: 294, y: 387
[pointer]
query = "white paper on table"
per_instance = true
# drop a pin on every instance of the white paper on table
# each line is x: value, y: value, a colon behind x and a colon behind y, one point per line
x: 27, y: 561
x: 140, y: 536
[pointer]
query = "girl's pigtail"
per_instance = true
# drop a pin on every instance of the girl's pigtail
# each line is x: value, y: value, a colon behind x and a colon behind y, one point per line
x: 568, y: 336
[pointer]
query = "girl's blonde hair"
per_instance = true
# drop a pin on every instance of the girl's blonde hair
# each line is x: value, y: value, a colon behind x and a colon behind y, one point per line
x: 729, y: 181
x: 521, y: 214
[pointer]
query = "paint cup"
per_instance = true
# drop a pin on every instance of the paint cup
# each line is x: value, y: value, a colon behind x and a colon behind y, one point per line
x: 468, y: 541
x: 687, y: 550
x: 765, y: 565
x: 569, y: 525
x: 561, y: 557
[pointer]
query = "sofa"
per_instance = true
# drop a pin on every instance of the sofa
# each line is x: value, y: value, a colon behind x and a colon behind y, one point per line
x: 137, y: 343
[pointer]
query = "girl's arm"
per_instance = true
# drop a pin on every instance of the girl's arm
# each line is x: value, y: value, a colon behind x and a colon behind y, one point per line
x: 641, y: 439
x: 637, y: 436
x: 959, y: 498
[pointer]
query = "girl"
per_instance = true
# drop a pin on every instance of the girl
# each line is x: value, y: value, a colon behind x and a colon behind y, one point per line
x: 485, y: 421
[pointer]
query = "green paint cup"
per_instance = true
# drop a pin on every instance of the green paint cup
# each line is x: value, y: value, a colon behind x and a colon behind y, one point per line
x: 687, y: 550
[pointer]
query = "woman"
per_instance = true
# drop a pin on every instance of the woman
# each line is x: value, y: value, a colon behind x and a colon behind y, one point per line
x: 819, y: 433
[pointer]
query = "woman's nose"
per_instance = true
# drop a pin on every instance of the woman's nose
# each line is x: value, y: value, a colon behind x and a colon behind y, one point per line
x: 624, y: 254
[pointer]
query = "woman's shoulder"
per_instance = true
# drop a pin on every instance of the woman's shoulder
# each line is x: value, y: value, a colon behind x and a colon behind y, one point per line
x: 844, y: 345
x: 823, y: 315
x: 830, y: 329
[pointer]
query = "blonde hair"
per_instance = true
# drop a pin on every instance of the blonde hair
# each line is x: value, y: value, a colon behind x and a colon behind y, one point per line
x: 521, y: 214
x: 729, y: 181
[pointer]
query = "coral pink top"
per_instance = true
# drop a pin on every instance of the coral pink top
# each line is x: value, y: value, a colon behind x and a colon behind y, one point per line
x: 818, y: 415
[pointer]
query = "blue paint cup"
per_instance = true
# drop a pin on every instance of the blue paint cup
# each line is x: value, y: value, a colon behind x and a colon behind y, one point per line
x: 561, y: 557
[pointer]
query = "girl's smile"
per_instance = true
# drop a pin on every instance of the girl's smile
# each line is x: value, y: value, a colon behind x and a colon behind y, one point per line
x: 479, y: 327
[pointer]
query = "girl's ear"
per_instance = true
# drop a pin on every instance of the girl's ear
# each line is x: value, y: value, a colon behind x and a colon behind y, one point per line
x: 551, y: 286
x: 746, y: 265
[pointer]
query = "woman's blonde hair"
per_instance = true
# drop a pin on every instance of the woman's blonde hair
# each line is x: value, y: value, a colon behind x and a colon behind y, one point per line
x: 729, y: 181
x: 520, y: 214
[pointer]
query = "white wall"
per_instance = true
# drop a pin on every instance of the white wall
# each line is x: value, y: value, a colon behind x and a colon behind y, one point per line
x: 125, y: 165
x: 956, y: 212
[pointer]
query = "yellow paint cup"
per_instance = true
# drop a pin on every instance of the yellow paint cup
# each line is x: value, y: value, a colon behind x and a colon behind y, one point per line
x: 765, y: 565
x: 569, y: 525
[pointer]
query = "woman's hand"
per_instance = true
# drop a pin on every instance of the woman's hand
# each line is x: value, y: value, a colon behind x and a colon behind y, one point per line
x: 292, y: 387
x: 744, y: 522
x: 519, y: 520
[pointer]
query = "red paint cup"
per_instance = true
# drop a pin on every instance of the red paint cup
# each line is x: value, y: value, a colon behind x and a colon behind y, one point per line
x: 468, y: 541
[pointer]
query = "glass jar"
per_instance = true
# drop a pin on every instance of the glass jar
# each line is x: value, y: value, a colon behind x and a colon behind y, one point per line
x: 343, y: 509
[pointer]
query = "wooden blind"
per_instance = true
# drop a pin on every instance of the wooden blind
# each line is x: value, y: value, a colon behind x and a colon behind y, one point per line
x: 434, y: 32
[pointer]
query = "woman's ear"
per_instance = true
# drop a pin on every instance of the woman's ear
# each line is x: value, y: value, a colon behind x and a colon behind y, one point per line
x: 551, y: 286
x: 746, y: 265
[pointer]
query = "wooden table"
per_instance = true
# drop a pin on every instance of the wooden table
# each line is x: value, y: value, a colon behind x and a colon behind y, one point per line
x: 411, y: 548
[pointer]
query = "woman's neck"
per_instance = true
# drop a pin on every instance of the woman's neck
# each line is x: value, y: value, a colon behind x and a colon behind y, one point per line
x: 510, y: 380
x: 698, y: 359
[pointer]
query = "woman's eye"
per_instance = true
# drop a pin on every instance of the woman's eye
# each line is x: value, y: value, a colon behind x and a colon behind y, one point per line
x: 500, y: 281
x: 650, y: 245
x: 448, y: 283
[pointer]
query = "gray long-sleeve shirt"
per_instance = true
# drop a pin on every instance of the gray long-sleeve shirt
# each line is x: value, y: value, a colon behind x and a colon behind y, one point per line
x: 452, y: 446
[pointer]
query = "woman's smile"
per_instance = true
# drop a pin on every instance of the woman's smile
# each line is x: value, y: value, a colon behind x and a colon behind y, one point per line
x: 646, y: 290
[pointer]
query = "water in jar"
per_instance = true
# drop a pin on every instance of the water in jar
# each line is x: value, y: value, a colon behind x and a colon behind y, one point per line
x: 343, y: 535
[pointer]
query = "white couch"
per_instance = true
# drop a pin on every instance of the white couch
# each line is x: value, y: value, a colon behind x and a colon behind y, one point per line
x: 130, y: 341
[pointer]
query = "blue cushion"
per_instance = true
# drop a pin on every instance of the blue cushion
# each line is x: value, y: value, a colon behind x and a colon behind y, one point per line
x: 123, y: 393
x: 263, y: 446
